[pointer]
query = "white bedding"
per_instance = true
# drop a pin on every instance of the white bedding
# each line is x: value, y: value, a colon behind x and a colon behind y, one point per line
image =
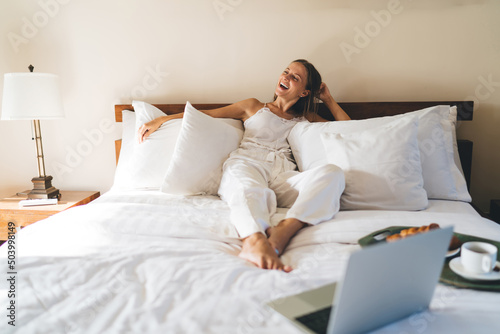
x: 148, y: 262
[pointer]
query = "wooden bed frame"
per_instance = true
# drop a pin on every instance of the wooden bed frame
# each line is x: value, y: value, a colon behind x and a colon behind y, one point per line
x: 356, y: 110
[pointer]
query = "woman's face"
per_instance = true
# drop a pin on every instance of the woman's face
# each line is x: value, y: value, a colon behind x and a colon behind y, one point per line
x: 292, y: 82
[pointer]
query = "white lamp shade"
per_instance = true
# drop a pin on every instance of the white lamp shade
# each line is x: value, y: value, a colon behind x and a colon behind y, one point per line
x: 29, y: 96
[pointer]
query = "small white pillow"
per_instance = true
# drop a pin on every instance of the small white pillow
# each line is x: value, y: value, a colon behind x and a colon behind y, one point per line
x: 381, y: 166
x: 443, y: 179
x: 146, y: 166
x: 203, y: 145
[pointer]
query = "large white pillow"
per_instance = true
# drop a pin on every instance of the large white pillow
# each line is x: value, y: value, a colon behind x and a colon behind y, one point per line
x: 145, y: 165
x: 461, y: 183
x: 442, y: 177
x: 203, y: 145
x: 381, y: 165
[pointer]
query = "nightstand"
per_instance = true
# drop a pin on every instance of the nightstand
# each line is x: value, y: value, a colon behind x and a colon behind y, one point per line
x: 10, y: 211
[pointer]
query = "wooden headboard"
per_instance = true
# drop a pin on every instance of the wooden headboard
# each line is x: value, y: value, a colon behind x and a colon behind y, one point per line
x: 356, y: 110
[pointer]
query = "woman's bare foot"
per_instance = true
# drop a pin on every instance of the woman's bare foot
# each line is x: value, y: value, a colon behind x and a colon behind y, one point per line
x: 279, y: 236
x: 257, y: 249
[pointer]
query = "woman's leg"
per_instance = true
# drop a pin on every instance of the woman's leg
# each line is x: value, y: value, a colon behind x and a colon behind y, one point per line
x: 313, y: 196
x: 280, y: 235
x: 244, y: 187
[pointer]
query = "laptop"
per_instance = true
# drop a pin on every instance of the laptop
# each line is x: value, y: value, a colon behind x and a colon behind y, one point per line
x: 382, y: 283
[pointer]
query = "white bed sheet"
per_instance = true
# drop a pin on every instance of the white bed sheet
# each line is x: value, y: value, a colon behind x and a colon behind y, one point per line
x: 148, y: 262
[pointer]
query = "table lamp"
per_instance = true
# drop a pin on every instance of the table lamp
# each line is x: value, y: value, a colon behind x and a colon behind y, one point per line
x: 34, y: 96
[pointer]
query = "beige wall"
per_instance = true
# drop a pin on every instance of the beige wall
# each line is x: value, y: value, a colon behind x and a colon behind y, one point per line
x: 109, y: 52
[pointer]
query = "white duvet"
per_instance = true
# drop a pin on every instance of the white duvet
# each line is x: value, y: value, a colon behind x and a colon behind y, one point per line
x: 147, y: 262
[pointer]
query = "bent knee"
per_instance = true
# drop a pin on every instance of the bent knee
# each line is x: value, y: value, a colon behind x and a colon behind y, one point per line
x: 331, y: 169
x: 332, y: 174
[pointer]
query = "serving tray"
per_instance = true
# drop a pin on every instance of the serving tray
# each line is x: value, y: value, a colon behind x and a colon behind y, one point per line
x: 447, y: 275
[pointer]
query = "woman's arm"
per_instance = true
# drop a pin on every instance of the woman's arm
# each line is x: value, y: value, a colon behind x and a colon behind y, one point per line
x: 148, y: 128
x: 337, y: 112
x: 239, y: 110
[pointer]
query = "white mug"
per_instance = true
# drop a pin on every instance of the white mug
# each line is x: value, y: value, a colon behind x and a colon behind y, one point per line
x: 478, y: 257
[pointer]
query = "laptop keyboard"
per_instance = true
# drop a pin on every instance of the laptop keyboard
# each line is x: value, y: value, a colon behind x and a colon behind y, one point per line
x: 316, y: 321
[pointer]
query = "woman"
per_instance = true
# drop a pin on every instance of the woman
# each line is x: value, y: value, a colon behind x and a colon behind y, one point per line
x: 261, y: 174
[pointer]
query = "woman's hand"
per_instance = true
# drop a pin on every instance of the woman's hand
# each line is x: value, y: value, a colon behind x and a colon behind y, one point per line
x: 148, y: 128
x: 324, y: 93
x: 337, y: 112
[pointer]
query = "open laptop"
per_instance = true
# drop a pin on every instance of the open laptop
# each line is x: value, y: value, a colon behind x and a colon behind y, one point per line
x: 382, y: 283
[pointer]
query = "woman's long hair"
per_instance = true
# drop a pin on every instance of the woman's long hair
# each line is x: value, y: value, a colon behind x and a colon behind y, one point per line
x: 307, y: 104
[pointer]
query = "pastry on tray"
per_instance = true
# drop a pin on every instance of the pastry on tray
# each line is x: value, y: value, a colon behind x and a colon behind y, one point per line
x: 454, y: 243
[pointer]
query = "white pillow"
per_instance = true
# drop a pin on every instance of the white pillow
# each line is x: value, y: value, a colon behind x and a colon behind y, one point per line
x: 203, y: 145
x: 148, y: 162
x: 381, y: 165
x: 126, y: 150
x: 461, y: 183
x: 442, y: 177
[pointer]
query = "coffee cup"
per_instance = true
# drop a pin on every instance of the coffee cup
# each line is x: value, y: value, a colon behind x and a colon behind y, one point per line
x: 478, y: 257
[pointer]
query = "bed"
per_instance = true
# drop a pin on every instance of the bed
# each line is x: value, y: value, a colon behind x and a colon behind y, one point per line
x: 158, y: 254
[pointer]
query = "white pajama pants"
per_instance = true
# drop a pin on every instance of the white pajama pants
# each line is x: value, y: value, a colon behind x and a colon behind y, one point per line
x: 254, y: 189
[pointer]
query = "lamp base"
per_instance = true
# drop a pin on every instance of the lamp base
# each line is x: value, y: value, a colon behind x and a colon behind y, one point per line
x: 42, y: 188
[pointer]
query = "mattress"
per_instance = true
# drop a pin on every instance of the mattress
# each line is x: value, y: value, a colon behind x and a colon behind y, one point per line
x: 149, y: 262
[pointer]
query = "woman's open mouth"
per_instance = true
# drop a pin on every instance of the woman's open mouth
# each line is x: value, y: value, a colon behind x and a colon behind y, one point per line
x: 282, y: 85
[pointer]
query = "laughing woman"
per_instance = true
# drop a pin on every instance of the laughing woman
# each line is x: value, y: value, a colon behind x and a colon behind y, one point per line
x: 261, y: 175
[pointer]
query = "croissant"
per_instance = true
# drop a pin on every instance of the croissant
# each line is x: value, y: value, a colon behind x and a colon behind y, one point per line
x: 454, y: 243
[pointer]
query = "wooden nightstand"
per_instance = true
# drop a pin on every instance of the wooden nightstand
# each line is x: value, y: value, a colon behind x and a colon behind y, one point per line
x: 10, y: 211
